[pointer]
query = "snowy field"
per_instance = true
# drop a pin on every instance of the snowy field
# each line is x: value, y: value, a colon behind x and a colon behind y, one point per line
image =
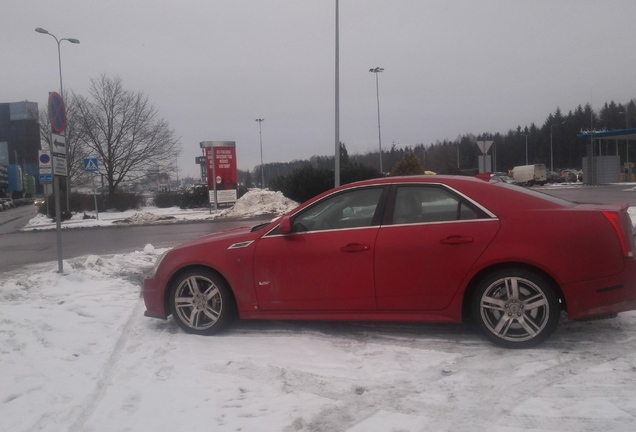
x: 77, y: 354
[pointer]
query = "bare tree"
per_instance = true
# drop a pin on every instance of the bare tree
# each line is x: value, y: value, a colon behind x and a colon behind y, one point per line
x: 125, y: 131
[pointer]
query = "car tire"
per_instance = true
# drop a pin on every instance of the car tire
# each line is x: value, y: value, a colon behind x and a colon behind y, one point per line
x: 516, y: 308
x: 201, y: 302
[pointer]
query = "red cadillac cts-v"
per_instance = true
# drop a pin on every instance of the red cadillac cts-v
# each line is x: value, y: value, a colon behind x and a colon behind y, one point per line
x: 417, y: 249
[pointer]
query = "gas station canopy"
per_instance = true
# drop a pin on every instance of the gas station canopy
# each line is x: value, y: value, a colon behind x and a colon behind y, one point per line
x: 619, y: 134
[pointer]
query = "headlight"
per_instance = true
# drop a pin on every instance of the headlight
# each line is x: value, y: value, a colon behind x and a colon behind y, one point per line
x: 158, y: 262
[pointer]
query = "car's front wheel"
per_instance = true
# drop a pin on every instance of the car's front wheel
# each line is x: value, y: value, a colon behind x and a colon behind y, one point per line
x: 201, y: 302
x: 516, y: 308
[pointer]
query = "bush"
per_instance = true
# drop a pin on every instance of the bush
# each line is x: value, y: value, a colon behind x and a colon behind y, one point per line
x: 195, y: 198
x: 307, y: 182
x: 86, y: 202
x: 168, y: 199
x: 123, y: 201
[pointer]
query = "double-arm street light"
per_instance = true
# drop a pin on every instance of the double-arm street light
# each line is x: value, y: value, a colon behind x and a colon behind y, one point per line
x: 376, y: 71
x: 59, y: 63
x: 59, y: 56
x: 56, y: 180
x: 260, y: 135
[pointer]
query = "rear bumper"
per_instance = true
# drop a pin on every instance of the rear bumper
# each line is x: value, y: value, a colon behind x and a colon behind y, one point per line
x: 154, y: 298
x: 601, y: 297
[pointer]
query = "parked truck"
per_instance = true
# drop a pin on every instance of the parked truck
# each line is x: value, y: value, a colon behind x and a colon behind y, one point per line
x: 530, y: 175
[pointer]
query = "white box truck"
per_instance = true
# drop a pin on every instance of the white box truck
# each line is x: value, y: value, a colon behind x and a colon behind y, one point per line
x: 530, y: 175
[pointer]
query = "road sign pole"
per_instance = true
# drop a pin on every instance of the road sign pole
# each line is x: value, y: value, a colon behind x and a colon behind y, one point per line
x: 95, y: 197
x: 58, y: 223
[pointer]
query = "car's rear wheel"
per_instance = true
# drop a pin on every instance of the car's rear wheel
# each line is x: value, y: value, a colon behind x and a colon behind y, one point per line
x: 201, y: 302
x: 516, y: 308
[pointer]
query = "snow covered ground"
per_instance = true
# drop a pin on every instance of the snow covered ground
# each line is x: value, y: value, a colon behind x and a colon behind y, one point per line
x: 77, y: 354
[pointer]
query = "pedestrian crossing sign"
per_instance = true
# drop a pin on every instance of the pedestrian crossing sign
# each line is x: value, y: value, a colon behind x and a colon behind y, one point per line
x: 90, y: 165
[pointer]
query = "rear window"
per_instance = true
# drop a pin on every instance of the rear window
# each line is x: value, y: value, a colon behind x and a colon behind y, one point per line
x: 535, y: 194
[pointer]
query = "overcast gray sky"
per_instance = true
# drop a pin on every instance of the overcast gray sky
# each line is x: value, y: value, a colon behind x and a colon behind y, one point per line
x: 211, y: 67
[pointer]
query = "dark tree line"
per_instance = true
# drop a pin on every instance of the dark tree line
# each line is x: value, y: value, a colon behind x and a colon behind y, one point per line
x: 508, y: 149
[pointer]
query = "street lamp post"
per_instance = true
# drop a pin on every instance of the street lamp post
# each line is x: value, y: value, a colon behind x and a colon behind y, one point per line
x: 626, y: 112
x: 337, y: 104
x: 59, y: 63
x: 526, y: 135
x: 551, y: 154
x: 260, y: 135
x: 376, y: 71
x: 56, y: 180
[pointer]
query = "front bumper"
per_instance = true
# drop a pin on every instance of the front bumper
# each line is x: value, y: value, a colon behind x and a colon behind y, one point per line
x: 154, y: 298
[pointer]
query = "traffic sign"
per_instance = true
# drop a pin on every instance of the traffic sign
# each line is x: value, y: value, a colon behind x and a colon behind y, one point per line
x: 58, y: 145
x: 59, y: 166
x: 45, y: 162
x: 46, y: 178
x: 90, y: 165
x: 57, y: 112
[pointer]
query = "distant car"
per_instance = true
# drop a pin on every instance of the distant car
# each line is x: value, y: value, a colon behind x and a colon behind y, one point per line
x: 8, y: 203
x: 553, y: 177
x: 418, y: 249
x: 569, y: 176
x: 38, y: 199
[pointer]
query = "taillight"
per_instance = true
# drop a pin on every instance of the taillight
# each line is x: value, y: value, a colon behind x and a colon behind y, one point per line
x: 623, y: 229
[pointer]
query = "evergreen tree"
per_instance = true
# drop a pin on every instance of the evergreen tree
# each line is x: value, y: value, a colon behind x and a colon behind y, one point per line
x: 408, y: 165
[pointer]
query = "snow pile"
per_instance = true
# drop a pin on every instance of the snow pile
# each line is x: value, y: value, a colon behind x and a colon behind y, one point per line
x: 257, y: 202
x: 143, y: 218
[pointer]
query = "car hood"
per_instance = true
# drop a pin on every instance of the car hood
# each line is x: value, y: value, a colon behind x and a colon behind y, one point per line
x: 227, y: 236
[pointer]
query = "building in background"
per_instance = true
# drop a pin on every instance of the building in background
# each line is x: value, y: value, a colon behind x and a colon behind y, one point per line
x: 19, y: 145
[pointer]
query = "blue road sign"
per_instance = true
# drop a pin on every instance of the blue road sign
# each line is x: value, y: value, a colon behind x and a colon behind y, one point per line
x: 90, y: 165
x: 46, y: 178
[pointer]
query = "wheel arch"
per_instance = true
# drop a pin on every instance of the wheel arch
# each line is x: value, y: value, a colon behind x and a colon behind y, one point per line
x: 483, y: 273
x: 182, y: 270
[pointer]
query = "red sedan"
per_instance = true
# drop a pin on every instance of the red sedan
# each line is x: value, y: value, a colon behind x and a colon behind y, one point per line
x: 418, y: 249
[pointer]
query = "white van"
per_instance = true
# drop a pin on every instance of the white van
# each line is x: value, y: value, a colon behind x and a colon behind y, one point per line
x: 530, y: 174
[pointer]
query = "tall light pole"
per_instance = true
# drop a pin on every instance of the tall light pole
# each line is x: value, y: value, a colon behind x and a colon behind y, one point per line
x: 59, y: 63
x: 260, y: 135
x: 526, y: 135
x: 551, y: 154
x: 376, y: 71
x: 626, y: 112
x: 56, y: 180
x: 337, y: 108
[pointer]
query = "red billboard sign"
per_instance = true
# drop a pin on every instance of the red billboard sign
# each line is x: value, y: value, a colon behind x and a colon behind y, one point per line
x: 221, y: 171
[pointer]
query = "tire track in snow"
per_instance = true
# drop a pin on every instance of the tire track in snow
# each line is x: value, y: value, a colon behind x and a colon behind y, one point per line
x: 109, y: 370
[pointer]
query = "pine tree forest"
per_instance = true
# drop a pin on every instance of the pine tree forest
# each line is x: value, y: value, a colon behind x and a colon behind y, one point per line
x: 460, y: 156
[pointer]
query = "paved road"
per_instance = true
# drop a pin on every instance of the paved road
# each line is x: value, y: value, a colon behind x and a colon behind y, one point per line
x: 20, y: 248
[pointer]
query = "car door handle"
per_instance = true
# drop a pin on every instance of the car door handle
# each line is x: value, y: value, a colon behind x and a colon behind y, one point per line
x: 453, y: 240
x: 355, y: 247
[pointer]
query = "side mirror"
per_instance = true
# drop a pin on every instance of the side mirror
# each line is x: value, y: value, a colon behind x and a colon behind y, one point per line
x: 285, y: 225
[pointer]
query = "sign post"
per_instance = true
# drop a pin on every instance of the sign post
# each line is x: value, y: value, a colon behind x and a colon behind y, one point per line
x: 90, y: 165
x: 57, y: 116
x: 46, y: 174
x: 221, y: 172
